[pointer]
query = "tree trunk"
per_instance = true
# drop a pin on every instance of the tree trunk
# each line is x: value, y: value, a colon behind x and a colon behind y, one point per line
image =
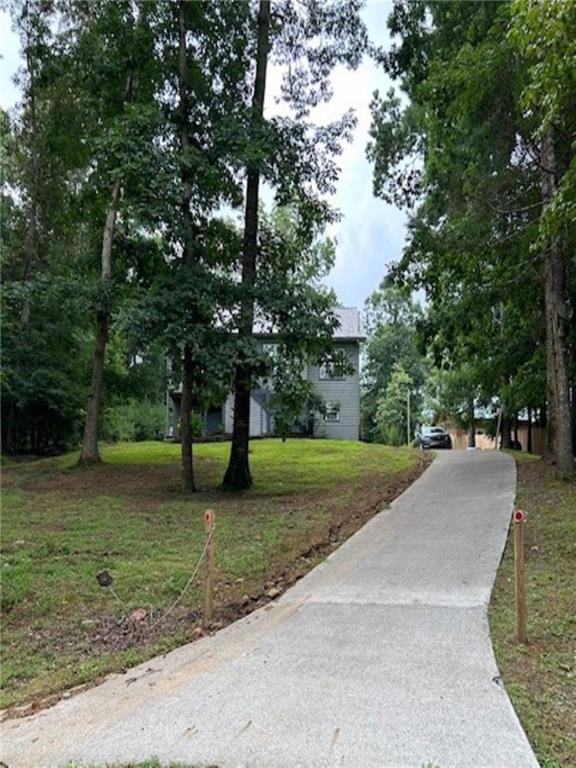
x: 529, y: 445
x: 90, y: 453
x: 31, y: 242
x: 186, y: 436
x: 10, y: 444
x: 238, y: 474
x: 549, y: 451
x: 573, y: 388
x: 506, y: 431
x: 556, y: 313
x: 471, y: 425
x: 188, y: 254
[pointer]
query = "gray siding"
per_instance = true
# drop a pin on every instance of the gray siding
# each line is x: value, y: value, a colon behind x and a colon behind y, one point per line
x: 346, y: 392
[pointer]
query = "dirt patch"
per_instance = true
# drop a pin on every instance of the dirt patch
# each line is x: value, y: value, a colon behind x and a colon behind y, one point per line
x: 154, y: 480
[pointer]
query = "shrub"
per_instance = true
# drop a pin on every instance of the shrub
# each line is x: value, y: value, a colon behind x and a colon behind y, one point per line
x: 134, y: 421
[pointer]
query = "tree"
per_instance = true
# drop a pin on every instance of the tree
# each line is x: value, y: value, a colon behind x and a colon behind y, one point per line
x: 544, y: 33
x: 453, y: 393
x: 120, y: 34
x: 392, y: 408
x: 238, y: 472
x: 184, y: 303
x: 296, y: 310
x: 391, y: 319
x: 475, y: 235
x: 42, y: 357
x: 293, y: 156
x: 208, y: 43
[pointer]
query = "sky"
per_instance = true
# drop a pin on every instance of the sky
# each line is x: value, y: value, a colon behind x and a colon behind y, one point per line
x: 371, y: 233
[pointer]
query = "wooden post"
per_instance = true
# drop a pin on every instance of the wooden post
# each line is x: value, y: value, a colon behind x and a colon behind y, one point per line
x: 210, y: 563
x: 519, y: 583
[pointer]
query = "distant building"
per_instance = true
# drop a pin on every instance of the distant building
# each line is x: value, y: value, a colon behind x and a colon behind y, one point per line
x: 340, y: 393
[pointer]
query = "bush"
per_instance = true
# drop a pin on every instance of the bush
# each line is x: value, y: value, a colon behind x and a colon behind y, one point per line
x: 133, y: 421
x: 195, y: 425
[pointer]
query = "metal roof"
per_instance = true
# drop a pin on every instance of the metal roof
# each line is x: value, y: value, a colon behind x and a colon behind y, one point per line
x: 350, y: 323
x: 349, y: 326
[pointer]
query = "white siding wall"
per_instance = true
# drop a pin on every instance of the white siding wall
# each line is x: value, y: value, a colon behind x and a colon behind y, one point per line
x: 229, y: 414
x: 257, y: 417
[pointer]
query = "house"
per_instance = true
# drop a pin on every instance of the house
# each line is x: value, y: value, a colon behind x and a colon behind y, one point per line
x: 340, y: 393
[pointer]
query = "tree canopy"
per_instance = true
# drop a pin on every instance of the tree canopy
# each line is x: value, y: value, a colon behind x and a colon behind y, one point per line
x: 482, y: 154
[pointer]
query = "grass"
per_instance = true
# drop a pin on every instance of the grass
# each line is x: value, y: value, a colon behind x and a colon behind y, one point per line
x: 63, y: 524
x: 541, y: 676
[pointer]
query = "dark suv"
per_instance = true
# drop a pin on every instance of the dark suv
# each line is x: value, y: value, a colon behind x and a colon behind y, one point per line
x: 432, y: 437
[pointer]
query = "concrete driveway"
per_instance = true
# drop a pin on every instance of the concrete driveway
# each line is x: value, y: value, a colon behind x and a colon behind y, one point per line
x: 380, y: 657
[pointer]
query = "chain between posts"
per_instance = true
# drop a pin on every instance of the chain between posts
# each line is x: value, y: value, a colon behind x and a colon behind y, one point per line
x: 208, y: 549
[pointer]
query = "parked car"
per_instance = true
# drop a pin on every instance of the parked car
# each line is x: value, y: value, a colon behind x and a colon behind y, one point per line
x: 432, y: 437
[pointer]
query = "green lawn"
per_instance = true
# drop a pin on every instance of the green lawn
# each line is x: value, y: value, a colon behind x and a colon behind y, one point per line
x: 541, y: 677
x: 63, y: 524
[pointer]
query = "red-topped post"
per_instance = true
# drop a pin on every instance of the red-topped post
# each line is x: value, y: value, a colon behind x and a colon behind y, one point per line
x: 519, y: 517
x: 210, y: 562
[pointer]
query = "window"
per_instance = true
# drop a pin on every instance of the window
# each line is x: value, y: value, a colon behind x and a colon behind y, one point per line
x: 333, y: 369
x: 332, y: 412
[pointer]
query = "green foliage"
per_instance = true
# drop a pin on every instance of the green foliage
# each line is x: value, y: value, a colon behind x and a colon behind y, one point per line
x: 453, y: 394
x: 105, y: 101
x: 391, y: 319
x: 483, y: 80
x: 392, y: 408
x: 196, y: 424
x: 545, y: 36
x: 42, y: 402
x: 133, y: 421
x: 292, y: 400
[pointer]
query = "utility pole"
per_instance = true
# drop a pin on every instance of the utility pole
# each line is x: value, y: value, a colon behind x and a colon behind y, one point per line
x: 408, y: 415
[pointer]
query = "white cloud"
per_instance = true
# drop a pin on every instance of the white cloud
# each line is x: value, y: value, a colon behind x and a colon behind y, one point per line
x: 371, y: 233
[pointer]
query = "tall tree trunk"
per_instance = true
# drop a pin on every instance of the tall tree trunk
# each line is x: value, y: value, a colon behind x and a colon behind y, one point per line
x: 188, y: 255
x: 30, y: 245
x: 31, y: 242
x: 529, y: 445
x: 90, y: 453
x: 556, y: 312
x: 573, y: 388
x: 471, y: 425
x: 506, y: 431
x: 186, y: 436
x: 238, y: 472
x: 11, y: 442
x: 550, y: 411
